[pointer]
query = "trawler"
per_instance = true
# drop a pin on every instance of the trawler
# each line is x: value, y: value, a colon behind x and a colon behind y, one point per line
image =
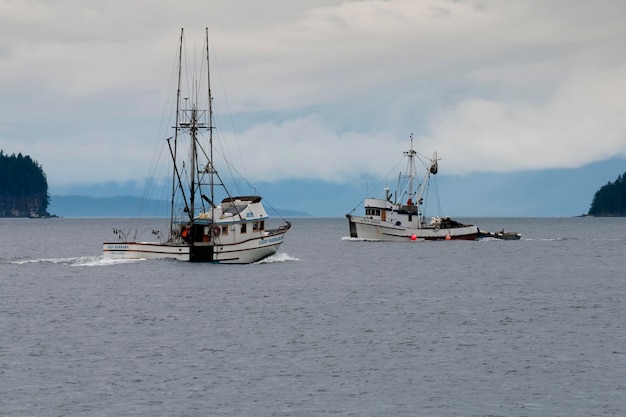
x: 399, y: 216
x: 233, y: 230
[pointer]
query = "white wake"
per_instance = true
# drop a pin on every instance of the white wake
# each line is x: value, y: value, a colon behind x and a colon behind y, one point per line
x: 277, y: 257
x: 77, y: 261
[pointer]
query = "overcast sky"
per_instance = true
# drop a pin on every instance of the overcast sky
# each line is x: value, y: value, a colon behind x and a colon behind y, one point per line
x: 318, y: 89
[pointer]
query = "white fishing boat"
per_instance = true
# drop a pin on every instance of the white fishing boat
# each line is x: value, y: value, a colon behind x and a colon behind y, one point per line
x: 233, y: 231
x: 399, y: 216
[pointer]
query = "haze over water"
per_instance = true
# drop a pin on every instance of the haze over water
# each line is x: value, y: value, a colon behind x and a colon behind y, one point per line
x: 329, y: 326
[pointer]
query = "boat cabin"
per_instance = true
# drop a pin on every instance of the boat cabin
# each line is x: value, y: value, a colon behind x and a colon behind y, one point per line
x: 405, y: 215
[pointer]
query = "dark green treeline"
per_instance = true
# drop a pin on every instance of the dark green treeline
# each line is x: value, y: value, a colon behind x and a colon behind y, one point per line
x: 610, y: 199
x: 23, y: 187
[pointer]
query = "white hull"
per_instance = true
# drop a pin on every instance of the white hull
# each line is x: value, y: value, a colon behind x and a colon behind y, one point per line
x: 145, y: 250
x: 245, y: 252
x: 374, y: 229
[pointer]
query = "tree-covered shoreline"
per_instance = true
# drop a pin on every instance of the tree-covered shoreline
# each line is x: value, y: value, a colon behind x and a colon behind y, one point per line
x: 610, y: 199
x: 23, y: 187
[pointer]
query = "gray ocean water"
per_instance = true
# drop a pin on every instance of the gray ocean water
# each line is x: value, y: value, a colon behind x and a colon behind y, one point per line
x: 328, y: 327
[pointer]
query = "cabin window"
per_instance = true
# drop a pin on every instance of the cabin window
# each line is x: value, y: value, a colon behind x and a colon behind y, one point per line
x: 224, y: 230
x: 262, y: 225
x: 243, y: 227
x: 234, y: 210
x: 410, y: 217
x: 255, y: 227
x: 372, y: 212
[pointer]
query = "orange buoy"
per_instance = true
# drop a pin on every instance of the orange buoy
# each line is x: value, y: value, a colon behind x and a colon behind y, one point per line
x: 413, y: 237
x: 448, y: 237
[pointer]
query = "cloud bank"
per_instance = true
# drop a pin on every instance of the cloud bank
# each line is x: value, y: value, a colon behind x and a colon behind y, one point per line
x: 318, y: 89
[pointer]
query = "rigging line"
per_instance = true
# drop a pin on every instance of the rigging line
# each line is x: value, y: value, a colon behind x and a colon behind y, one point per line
x: 151, y: 186
x: 385, y: 178
x: 232, y: 168
x: 436, y: 187
x: 421, y: 156
x: 276, y: 211
x: 425, y: 195
x: 229, y: 112
x: 155, y: 171
x: 357, y: 206
x: 228, y: 164
x: 173, y: 150
x: 211, y: 122
x: 223, y: 151
x: 179, y: 180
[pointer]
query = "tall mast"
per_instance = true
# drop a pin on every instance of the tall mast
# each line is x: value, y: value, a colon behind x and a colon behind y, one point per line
x: 176, y: 128
x: 410, y: 154
x: 194, y: 157
x: 211, y: 167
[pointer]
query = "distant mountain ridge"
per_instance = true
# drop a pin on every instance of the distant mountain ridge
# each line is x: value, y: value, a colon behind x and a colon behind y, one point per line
x: 560, y: 192
x: 125, y: 206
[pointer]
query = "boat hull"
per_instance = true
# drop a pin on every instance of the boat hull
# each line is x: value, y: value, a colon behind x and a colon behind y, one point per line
x: 500, y: 235
x: 145, y: 250
x: 373, y: 229
x: 244, y: 252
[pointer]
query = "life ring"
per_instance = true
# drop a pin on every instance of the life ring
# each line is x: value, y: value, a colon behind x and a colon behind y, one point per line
x: 217, y: 230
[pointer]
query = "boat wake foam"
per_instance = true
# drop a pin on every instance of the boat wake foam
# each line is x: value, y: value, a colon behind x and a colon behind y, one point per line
x: 277, y: 257
x: 359, y: 239
x: 496, y: 239
x: 104, y: 261
x: 549, y: 239
x: 77, y: 261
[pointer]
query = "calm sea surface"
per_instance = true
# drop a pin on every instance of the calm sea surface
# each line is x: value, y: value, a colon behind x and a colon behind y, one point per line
x: 328, y: 327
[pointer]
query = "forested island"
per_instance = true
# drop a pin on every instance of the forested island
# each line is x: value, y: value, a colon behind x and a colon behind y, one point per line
x: 23, y: 187
x: 610, y: 199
